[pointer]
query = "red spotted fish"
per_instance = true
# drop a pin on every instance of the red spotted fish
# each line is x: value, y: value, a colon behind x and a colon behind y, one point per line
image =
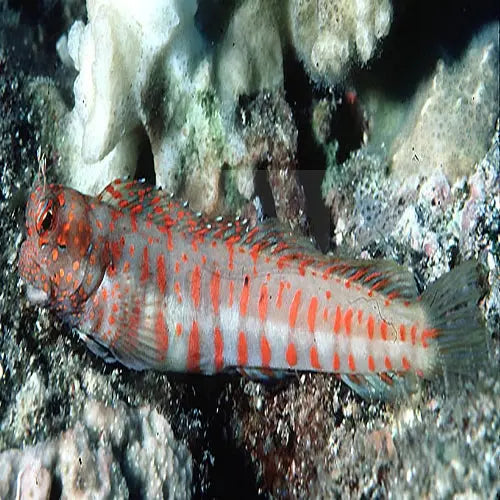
x: 148, y: 282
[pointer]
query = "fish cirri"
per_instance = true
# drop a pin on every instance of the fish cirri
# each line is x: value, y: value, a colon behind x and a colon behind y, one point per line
x: 148, y: 282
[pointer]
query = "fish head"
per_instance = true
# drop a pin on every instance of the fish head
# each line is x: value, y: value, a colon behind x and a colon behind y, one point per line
x: 59, y: 252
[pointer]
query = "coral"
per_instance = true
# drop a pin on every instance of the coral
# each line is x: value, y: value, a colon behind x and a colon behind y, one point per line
x: 147, y: 79
x: 249, y: 59
x: 329, y: 35
x: 113, y: 91
x: 112, y: 453
x: 454, y: 113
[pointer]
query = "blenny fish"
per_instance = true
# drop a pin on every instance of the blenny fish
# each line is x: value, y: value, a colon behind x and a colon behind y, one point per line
x: 146, y: 281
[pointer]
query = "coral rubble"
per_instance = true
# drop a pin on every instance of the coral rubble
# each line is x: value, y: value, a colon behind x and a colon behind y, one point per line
x: 111, y: 453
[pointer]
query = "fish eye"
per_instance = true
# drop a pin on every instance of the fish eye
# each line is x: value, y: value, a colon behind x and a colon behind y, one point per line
x: 45, y: 220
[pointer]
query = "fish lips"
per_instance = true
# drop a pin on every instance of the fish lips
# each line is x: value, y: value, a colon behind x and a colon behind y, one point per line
x: 36, y: 295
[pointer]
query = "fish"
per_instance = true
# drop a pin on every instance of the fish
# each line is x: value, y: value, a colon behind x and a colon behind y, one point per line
x: 149, y: 283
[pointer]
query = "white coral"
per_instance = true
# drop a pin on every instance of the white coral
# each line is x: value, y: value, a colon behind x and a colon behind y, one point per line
x: 329, y: 35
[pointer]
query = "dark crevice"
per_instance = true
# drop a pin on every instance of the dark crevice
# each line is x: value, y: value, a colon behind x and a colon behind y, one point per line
x: 348, y: 125
x: 300, y: 92
x: 263, y: 191
x: 145, y: 163
x: 202, y: 417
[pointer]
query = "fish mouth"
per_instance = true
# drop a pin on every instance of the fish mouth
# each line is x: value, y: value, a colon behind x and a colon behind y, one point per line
x: 36, y: 295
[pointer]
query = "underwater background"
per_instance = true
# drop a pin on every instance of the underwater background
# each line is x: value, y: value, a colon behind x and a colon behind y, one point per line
x: 370, y: 126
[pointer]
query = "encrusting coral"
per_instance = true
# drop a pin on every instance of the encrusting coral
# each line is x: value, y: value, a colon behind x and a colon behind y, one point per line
x: 453, y: 115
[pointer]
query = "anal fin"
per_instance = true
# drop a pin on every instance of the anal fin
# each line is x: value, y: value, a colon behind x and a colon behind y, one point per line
x: 263, y: 375
x: 386, y: 386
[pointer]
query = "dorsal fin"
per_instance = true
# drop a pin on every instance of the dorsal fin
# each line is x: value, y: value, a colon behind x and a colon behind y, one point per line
x: 382, y: 276
x: 156, y: 207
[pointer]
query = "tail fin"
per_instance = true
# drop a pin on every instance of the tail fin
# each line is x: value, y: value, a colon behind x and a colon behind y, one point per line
x: 452, y: 303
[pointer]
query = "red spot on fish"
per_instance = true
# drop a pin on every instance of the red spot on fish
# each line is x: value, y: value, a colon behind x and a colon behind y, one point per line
x: 116, y: 251
x: 177, y: 290
x: 193, y: 356
x: 294, y: 308
x: 377, y: 286
x: 338, y: 320
x: 291, y: 355
x: 161, y: 333
x: 265, y: 351
x: 311, y: 314
x: 263, y: 297
x: 161, y: 274
x: 244, y: 296
x: 387, y: 363
x: 303, y: 265
x: 383, y: 330
x: 347, y: 320
x: 215, y: 290
x: 413, y: 334
x: 178, y: 329
x: 336, y: 362
x: 429, y: 334
x: 218, y: 349
x: 242, y: 349
x: 230, y: 250
x: 371, y: 363
x: 402, y: 333
x: 313, y: 355
x: 196, y: 286
x: 405, y: 363
x: 231, y: 293
x: 372, y: 276
x: 279, y: 298
x: 351, y: 363
x: 251, y: 234
x: 360, y: 316
x: 133, y: 222
x: 145, y: 265
x: 370, y: 326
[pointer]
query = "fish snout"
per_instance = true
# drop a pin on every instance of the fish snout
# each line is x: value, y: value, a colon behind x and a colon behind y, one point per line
x: 37, y: 286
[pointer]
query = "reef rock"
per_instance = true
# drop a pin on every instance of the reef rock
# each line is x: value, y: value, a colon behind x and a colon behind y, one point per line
x: 453, y: 114
x: 112, y: 453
